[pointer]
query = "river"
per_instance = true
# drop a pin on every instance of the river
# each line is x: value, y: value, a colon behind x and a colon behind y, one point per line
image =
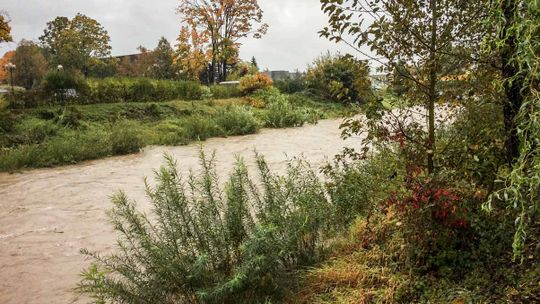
x: 48, y: 215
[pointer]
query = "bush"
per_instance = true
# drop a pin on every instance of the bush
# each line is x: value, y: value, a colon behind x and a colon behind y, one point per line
x: 251, y: 83
x: 205, y: 244
x: 225, y: 91
x: 291, y: 85
x: 340, y: 78
x: 280, y: 113
x: 59, y: 85
x: 125, y: 138
x: 111, y: 90
x: 358, y: 188
x: 200, y: 128
x: 236, y: 120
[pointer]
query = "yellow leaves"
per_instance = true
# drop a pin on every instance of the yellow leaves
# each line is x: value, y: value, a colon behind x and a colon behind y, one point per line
x: 252, y: 83
x: 5, y: 29
x: 3, y: 61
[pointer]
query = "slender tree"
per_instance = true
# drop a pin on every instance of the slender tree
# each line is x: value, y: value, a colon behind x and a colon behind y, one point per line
x: 31, y: 64
x: 7, y: 58
x: 416, y: 39
x: 163, y: 57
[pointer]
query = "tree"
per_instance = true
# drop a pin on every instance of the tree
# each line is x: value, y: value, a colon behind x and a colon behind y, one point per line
x: 31, y: 64
x: 76, y: 44
x: 5, y: 29
x: 423, y: 41
x: 517, y: 42
x: 4, y: 74
x: 191, y: 58
x: 254, y: 62
x: 163, y: 57
x: 222, y: 23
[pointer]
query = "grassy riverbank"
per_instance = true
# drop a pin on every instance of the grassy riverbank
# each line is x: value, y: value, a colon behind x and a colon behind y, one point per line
x: 55, y: 135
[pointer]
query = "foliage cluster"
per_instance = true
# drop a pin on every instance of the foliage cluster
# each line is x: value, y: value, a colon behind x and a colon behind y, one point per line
x: 63, y: 87
x: 251, y: 83
x: 56, y: 135
x: 341, y: 78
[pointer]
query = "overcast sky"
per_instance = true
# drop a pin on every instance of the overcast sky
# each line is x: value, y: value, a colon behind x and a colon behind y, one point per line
x: 291, y: 43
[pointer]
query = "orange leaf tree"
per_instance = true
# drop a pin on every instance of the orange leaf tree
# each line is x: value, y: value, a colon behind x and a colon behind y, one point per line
x: 3, y: 61
x: 222, y: 23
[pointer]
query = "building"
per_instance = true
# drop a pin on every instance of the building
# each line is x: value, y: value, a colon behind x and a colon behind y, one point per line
x: 282, y: 75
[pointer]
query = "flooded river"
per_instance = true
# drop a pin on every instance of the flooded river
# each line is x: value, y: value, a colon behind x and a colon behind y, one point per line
x: 48, y: 215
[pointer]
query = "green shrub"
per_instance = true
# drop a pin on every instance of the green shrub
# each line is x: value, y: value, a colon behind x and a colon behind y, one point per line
x: 200, y: 128
x: 205, y: 244
x: 280, y: 113
x: 291, y: 85
x: 236, y: 120
x: 58, y: 83
x: 206, y: 93
x: 340, y: 78
x: 69, y: 117
x: 170, y: 132
x: 125, y: 138
x: 225, y: 91
x: 358, y: 188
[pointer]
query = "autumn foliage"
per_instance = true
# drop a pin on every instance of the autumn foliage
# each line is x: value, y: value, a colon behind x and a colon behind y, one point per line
x: 3, y: 61
x: 212, y: 29
x: 252, y: 83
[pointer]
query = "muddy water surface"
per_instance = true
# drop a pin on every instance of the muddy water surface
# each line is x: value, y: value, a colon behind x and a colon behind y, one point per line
x: 48, y: 215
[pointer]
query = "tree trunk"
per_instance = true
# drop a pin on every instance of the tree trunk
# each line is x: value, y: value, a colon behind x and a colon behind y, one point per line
x: 514, y: 95
x: 432, y: 94
x: 224, y: 70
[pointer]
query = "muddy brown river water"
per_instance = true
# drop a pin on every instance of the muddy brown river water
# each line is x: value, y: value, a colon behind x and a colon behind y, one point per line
x: 48, y: 215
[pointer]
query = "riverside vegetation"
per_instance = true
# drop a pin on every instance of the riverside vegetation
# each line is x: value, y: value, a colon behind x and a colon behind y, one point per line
x: 120, y: 116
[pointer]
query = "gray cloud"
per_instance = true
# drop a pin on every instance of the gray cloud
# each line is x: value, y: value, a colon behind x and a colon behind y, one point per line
x: 291, y: 43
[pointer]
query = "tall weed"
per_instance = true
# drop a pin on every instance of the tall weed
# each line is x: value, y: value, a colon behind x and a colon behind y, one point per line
x: 208, y: 244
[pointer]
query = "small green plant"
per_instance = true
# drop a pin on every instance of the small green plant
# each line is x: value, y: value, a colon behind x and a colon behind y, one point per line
x: 206, y: 94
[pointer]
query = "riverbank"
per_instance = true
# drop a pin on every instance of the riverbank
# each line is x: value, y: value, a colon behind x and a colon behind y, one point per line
x: 59, y: 135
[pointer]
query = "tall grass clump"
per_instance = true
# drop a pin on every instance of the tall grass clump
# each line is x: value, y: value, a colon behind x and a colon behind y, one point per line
x: 125, y: 138
x: 71, y: 146
x: 204, y: 243
x: 280, y: 112
x: 225, y: 91
x: 236, y: 120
